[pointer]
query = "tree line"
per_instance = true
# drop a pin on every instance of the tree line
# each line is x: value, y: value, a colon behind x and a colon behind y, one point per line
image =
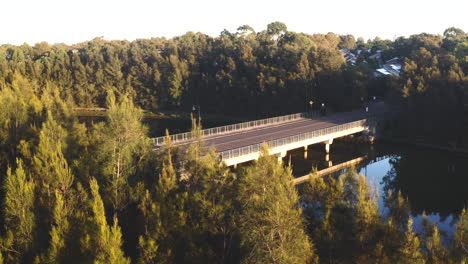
x: 432, y: 91
x: 243, y: 73
x: 247, y: 73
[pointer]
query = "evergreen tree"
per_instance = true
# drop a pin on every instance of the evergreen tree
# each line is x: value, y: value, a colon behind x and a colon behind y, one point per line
x: 211, y: 195
x: 164, y: 216
x: 19, y: 214
x: 437, y: 254
x: 125, y: 146
x: 59, y: 233
x: 19, y: 110
x: 271, y: 225
x: 410, y: 252
x: 102, y: 241
x: 461, y: 237
x: 49, y: 164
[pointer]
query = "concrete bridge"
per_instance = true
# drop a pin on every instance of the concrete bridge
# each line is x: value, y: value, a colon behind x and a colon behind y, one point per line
x: 242, y: 142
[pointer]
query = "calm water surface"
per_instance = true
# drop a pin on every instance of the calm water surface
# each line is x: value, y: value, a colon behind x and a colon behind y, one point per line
x: 435, y: 182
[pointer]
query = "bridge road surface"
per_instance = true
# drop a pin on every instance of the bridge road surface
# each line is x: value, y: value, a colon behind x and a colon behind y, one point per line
x: 238, y: 139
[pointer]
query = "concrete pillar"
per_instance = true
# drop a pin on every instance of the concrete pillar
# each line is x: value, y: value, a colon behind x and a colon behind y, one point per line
x: 305, y: 152
x: 327, y: 145
x: 281, y: 155
x: 235, y: 166
x: 328, y: 161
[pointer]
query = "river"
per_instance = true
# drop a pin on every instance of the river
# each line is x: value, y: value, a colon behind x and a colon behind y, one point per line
x: 434, y: 182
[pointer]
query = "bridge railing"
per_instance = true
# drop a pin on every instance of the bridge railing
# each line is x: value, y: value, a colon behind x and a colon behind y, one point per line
x: 235, y: 127
x: 233, y: 153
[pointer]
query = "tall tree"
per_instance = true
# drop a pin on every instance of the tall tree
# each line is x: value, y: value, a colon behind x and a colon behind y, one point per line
x: 211, y: 213
x: 19, y: 109
x: 59, y: 235
x: 165, y: 215
x: 437, y: 254
x: 125, y: 146
x: 461, y: 237
x: 19, y: 214
x: 102, y: 242
x: 272, y: 227
x: 49, y: 164
x: 276, y: 29
x: 410, y: 252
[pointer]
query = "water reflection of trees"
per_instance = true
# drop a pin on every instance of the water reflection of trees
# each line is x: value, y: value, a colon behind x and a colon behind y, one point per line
x: 432, y: 183
x: 346, y: 226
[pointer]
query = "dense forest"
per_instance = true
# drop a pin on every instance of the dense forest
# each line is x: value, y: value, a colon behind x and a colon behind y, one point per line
x: 250, y: 74
x: 96, y: 192
x: 241, y: 73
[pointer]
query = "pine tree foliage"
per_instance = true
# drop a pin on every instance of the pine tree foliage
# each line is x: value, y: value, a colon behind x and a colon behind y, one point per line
x: 19, y: 214
x: 461, y: 237
x: 164, y: 216
x: 271, y: 225
x: 436, y: 251
x: 60, y: 231
x: 125, y: 146
x: 19, y: 109
x: 50, y: 166
x: 211, y: 234
x: 410, y: 252
x: 103, y: 240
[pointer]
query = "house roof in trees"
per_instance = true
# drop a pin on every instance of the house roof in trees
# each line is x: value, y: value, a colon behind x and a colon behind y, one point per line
x: 383, y: 71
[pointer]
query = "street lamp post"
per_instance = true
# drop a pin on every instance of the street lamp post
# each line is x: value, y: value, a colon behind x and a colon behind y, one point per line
x: 195, y: 107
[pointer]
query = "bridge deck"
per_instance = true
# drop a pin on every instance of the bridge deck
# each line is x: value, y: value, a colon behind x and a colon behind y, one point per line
x: 242, y: 145
x: 263, y: 134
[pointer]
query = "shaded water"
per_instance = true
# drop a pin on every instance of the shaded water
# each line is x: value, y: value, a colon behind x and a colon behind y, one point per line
x: 435, y: 182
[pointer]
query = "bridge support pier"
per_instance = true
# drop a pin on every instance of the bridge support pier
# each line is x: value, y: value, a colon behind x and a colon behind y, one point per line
x: 327, y: 145
x: 305, y: 152
x: 328, y: 161
x: 281, y: 155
